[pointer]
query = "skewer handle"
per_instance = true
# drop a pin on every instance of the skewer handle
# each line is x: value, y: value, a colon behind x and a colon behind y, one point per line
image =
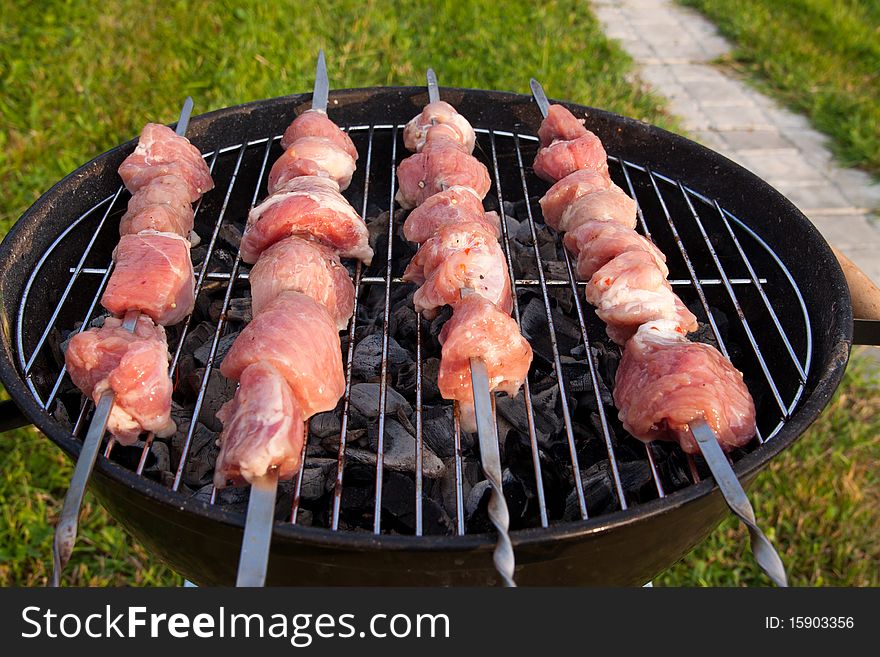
x: 68, y: 522
x: 254, y: 559
x: 765, y: 554
x: 490, y: 458
x: 540, y: 97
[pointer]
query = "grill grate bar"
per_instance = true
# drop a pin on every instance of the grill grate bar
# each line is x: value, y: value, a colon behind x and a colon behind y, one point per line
x: 70, y: 282
x: 419, y: 438
x: 758, y: 284
x: 733, y: 298
x: 527, y: 393
x: 512, y: 149
x: 693, y: 273
x: 221, y: 322
x: 459, y: 483
x: 383, y: 382
x: 523, y: 282
x: 358, y: 275
x: 557, y: 363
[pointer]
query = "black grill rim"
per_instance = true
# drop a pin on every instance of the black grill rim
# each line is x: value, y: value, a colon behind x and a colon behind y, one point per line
x: 669, y: 153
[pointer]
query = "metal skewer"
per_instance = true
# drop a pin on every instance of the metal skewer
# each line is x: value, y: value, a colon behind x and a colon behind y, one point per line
x: 253, y: 561
x: 68, y: 521
x: 487, y: 434
x: 765, y: 554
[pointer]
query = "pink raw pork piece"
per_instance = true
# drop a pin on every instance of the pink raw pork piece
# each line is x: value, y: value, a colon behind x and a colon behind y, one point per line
x: 262, y: 429
x: 563, y: 193
x: 161, y: 205
x: 460, y: 256
x: 308, y: 206
x: 631, y: 290
x: 152, y: 273
x: 134, y: 366
x: 610, y: 204
x: 479, y: 329
x: 664, y: 382
x: 560, y: 125
x: 315, y: 123
x: 562, y: 158
x: 441, y: 113
x: 312, y: 156
x: 161, y: 152
x: 303, y: 266
x: 447, y: 208
x: 596, y: 243
x: 297, y: 336
x: 442, y: 163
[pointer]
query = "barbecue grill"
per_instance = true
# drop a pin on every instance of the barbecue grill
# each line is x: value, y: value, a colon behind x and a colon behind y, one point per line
x: 760, y: 278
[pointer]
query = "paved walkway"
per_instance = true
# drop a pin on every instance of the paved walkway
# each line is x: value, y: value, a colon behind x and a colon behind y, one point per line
x: 673, y: 47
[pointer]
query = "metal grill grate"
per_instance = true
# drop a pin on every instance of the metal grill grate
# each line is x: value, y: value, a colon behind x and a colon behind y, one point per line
x: 715, y: 260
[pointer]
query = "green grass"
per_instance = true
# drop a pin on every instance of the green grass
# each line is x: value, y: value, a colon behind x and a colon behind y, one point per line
x: 819, y: 57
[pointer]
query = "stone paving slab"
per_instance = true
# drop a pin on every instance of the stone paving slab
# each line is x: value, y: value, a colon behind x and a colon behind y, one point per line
x: 674, y: 47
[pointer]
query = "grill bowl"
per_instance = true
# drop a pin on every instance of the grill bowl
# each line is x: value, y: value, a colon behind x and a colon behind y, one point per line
x: 625, y: 547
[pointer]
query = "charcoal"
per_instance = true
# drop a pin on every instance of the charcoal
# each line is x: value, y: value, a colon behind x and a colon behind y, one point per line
x: 197, y: 336
x: 439, y: 320
x: 513, y: 409
x: 318, y: 478
x: 406, y: 380
x: 224, y: 344
x: 548, y: 415
x: 198, y: 254
x: 365, y: 400
x: 160, y: 457
x: 222, y: 260
x: 326, y: 425
x: 437, y: 430
x: 403, y: 322
x: 600, y: 491
x: 230, y: 234
x: 199, y: 468
x: 128, y: 456
x: 304, y: 517
x: 218, y: 391
x: 367, y: 365
x: 400, y: 450
x: 398, y: 507
x: 477, y: 506
x: 446, y: 488
x: 233, y: 498
x: 60, y: 413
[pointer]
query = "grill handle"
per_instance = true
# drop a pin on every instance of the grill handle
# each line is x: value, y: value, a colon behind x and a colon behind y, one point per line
x: 865, y: 302
x: 11, y: 416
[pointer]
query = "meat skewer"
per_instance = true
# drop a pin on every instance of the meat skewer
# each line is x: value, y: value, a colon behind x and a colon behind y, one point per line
x: 288, y: 359
x: 662, y: 337
x: 461, y: 264
x: 68, y: 522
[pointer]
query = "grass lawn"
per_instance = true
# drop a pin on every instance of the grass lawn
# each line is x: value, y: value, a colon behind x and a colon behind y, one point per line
x: 76, y: 79
x: 820, y: 57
